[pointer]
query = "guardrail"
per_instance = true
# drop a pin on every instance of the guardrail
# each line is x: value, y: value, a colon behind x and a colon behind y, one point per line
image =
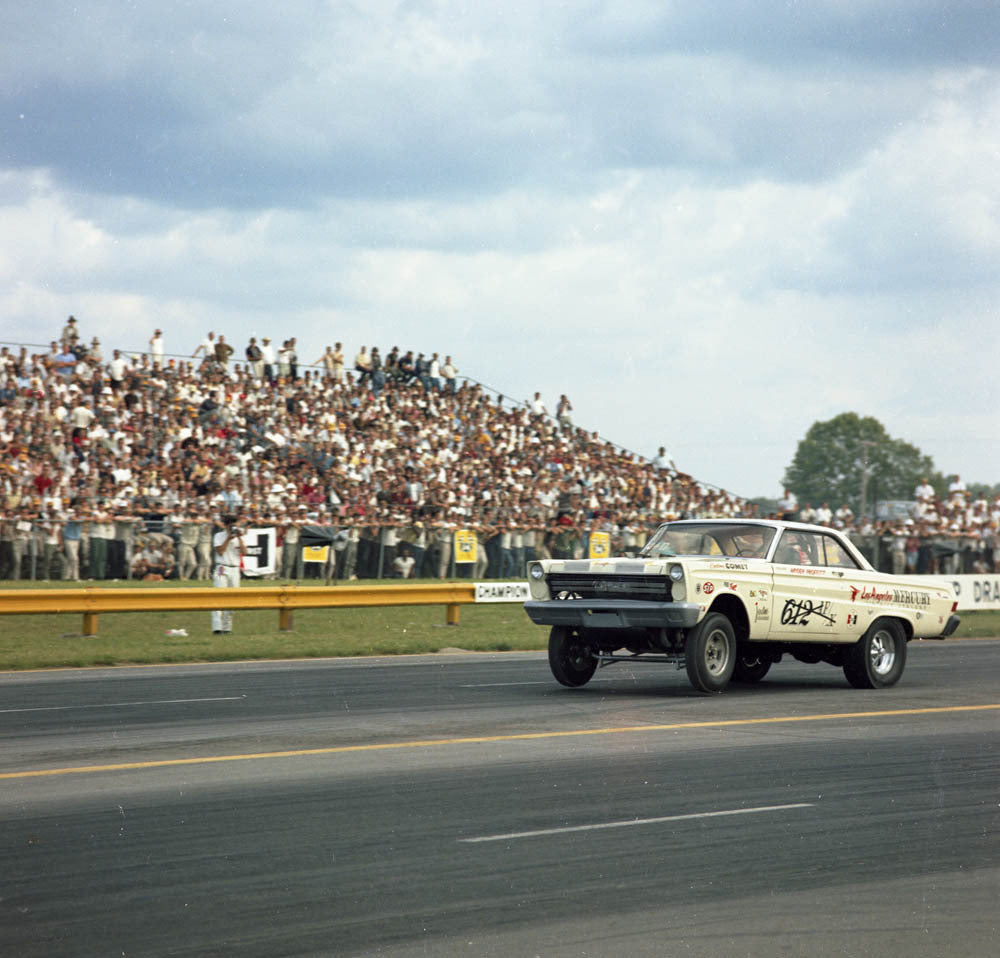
x: 92, y: 602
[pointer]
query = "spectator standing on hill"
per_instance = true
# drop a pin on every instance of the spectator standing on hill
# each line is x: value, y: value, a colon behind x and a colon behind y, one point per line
x: 563, y: 409
x: 255, y: 358
x: 207, y: 348
x: 339, y: 375
x: 538, y: 409
x: 222, y: 352
x: 788, y: 506
x: 156, y: 349
x: 449, y: 373
x: 267, y: 358
x: 227, y: 554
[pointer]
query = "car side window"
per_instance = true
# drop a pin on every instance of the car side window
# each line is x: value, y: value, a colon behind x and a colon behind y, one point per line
x: 836, y: 555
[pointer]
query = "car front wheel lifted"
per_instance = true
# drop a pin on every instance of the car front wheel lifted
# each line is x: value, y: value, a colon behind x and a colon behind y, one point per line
x: 571, y: 658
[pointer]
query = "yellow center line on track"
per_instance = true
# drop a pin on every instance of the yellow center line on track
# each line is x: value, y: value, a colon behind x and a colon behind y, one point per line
x: 486, y: 739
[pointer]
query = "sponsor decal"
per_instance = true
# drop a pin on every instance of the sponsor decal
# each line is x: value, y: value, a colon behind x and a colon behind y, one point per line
x: 895, y: 596
x: 761, y: 612
x: 734, y: 565
x: 870, y: 595
x: 801, y: 611
x: 852, y: 619
x: 709, y: 588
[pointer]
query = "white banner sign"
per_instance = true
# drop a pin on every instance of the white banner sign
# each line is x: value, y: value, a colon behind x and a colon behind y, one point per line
x: 974, y: 592
x: 258, y: 560
x: 502, y: 592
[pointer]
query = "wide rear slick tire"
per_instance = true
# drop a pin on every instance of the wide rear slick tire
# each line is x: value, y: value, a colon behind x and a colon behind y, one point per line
x: 710, y: 653
x: 878, y: 658
x: 571, y: 658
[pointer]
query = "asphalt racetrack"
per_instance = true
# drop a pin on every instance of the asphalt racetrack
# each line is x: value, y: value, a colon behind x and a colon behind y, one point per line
x: 468, y: 805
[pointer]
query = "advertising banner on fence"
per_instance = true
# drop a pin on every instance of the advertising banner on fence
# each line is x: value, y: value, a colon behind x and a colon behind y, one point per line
x: 974, y: 592
x: 600, y: 545
x: 502, y: 592
x: 465, y: 545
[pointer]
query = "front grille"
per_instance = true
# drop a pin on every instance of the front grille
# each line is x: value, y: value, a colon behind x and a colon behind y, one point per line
x: 655, y: 588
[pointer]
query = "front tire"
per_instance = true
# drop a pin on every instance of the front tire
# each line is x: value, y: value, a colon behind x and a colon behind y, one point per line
x: 878, y: 658
x: 710, y: 653
x: 571, y: 658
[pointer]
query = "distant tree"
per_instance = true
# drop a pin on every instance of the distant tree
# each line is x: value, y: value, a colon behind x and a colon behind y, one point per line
x: 850, y: 456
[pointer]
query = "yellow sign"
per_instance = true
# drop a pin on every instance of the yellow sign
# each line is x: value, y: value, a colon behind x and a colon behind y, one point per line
x: 315, y: 553
x: 465, y: 545
x: 600, y: 545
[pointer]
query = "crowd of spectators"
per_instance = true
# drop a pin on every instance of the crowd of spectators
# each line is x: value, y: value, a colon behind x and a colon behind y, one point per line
x: 119, y: 466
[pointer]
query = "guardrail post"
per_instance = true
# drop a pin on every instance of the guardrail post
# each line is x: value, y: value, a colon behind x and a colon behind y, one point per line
x: 452, y: 614
x: 284, y: 620
x: 90, y: 624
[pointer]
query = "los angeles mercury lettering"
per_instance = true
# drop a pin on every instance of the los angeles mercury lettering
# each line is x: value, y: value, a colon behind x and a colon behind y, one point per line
x: 895, y: 596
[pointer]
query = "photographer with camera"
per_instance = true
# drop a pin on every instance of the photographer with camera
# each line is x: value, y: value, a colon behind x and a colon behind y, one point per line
x: 227, y: 553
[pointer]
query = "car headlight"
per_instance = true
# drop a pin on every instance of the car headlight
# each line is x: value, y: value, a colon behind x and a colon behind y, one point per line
x: 677, y: 572
x: 536, y: 572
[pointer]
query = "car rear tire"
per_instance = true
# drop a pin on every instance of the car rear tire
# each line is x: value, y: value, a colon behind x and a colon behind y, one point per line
x: 878, y: 658
x: 571, y: 657
x: 710, y: 653
x: 751, y: 664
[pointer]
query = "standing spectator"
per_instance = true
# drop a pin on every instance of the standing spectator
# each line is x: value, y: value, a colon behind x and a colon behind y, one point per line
x: 339, y: 375
x: 267, y: 358
x: 434, y: 373
x: 156, y: 349
x: 563, y: 409
x: 449, y: 372
x: 293, y: 359
x: 788, y: 506
x: 538, y: 409
x: 206, y: 348
x: 327, y: 361
x: 70, y: 333
x: 663, y: 460
x: 227, y: 554
x: 255, y: 358
x: 72, y: 530
x: 116, y: 370
x: 101, y: 530
x: 823, y: 515
x: 187, y: 545
x: 204, y: 547
x: 222, y: 352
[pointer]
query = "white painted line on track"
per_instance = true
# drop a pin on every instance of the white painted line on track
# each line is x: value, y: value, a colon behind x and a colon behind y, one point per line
x: 634, y: 821
x: 121, y: 705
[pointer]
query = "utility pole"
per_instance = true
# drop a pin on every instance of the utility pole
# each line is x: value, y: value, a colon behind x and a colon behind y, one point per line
x: 866, y: 469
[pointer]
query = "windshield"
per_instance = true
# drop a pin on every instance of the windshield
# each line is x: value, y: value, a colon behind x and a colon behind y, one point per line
x: 710, y: 539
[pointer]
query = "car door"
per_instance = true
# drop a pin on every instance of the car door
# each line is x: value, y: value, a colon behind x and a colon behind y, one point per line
x: 809, y: 593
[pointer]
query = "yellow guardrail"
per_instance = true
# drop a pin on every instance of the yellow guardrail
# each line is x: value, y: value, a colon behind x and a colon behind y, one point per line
x: 92, y: 602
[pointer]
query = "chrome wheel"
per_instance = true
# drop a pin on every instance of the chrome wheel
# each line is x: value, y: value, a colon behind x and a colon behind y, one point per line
x: 882, y: 653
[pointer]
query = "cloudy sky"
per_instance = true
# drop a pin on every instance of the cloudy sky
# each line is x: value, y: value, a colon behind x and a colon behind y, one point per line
x: 709, y: 224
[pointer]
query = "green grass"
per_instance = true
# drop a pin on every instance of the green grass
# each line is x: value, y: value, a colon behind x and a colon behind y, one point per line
x: 53, y: 641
